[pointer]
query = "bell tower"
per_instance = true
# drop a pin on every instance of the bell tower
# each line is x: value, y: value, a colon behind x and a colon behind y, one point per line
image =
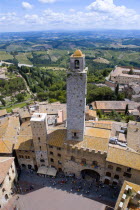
x: 76, y: 96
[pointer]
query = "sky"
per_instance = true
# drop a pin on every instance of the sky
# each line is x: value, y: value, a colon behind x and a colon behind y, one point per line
x: 36, y: 15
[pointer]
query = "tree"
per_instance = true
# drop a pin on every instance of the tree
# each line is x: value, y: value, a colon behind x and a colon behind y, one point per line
x: 20, y: 97
x: 128, y: 118
x: 2, y: 101
x: 117, y: 90
x: 99, y: 113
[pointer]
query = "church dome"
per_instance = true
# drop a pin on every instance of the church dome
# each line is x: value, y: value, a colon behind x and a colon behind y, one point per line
x: 78, y: 53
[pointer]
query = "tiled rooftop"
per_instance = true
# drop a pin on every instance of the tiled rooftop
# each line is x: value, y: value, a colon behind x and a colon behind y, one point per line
x: 124, y: 157
x: 135, y: 188
x: 3, y: 112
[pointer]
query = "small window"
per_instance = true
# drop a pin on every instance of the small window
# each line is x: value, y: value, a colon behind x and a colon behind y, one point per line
x: 129, y: 170
x: 58, y: 148
x: 59, y: 155
x: 77, y: 64
x: 39, y: 138
x: 75, y: 134
x: 3, y: 190
x: 59, y: 162
x: 118, y: 169
x: 6, y: 197
x: 127, y: 175
x: 51, y: 153
x: 110, y: 167
x: 40, y: 147
x: 72, y: 158
x: 42, y: 160
x: 83, y: 161
x: 52, y: 160
x: 9, y: 178
x: 50, y: 146
x: 108, y: 174
x: 116, y: 177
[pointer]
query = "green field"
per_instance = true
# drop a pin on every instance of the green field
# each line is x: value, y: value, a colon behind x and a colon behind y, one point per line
x: 5, y: 56
x: 22, y: 58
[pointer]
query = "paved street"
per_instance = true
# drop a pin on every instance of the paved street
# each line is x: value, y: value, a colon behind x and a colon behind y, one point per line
x: 62, y: 193
x: 52, y: 199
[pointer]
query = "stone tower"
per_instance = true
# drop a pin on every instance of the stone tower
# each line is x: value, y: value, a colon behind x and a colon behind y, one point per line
x: 76, y: 96
x: 39, y: 132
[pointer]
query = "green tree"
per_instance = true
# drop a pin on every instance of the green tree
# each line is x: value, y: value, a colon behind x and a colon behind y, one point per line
x: 20, y: 97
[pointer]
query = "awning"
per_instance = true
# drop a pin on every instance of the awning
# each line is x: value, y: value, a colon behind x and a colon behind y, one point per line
x: 42, y: 170
x: 47, y: 171
x: 51, y: 171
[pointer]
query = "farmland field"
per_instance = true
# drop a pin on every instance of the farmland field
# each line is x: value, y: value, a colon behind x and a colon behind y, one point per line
x: 5, y: 56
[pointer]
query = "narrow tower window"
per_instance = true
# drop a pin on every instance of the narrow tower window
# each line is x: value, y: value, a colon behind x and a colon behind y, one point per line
x: 77, y: 64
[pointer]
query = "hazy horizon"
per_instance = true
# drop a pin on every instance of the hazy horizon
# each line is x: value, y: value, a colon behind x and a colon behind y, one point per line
x: 40, y: 15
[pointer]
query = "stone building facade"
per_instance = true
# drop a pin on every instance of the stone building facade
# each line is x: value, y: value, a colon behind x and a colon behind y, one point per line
x: 39, y: 132
x: 8, y: 178
x: 76, y: 96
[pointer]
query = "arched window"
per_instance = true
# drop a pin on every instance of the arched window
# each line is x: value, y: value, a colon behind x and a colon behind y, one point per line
x: 42, y: 160
x: 108, y: 174
x: 77, y: 64
x: 116, y: 177
x: 23, y: 165
x: 83, y: 161
x: 72, y: 158
x: 118, y: 169
x: 6, y: 197
x: 29, y: 167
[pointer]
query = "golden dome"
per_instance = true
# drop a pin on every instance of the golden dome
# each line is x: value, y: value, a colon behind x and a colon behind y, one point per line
x: 78, y: 53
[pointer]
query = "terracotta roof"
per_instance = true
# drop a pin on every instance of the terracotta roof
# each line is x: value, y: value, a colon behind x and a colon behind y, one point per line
x: 112, y: 105
x: 97, y: 132
x: 24, y: 113
x: 3, y: 112
x: 57, y: 137
x: 95, y: 142
x: 3, y: 126
x: 92, y: 113
x: 92, y: 143
x: 135, y: 188
x: 124, y: 157
x: 12, y: 129
x: 5, y: 164
x: 24, y: 141
x: 6, y: 147
x: 103, y: 124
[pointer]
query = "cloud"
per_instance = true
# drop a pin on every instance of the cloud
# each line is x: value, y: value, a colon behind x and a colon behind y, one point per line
x: 27, y: 5
x: 101, y: 14
x: 47, y: 1
x: 72, y: 10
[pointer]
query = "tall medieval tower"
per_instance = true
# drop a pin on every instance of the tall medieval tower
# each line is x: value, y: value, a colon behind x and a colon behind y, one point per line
x: 39, y: 132
x: 76, y: 96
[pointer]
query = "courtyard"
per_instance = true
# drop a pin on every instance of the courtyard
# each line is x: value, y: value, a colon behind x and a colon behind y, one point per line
x: 37, y: 192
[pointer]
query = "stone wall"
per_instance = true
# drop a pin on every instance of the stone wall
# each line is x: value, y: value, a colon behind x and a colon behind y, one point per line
x: 8, y: 185
x: 76, y: 102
